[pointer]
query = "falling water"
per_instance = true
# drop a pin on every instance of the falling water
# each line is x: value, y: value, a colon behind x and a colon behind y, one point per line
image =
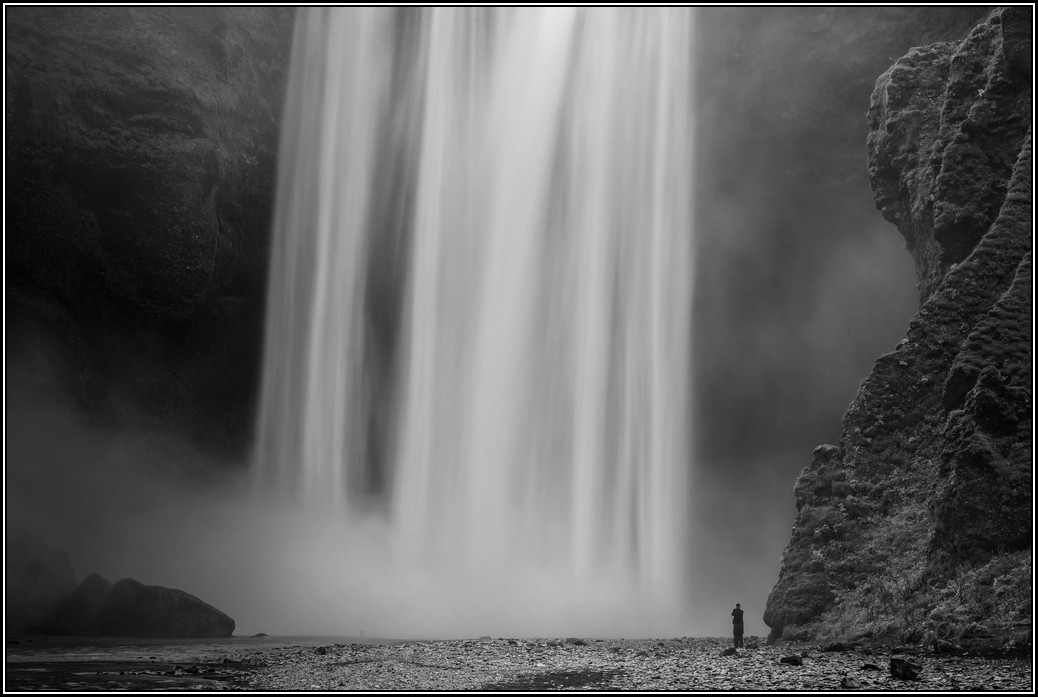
x: 478, y: 328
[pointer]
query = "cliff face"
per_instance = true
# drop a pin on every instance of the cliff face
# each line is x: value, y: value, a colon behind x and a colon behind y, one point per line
x: 920, y: 520
x: 946, y: 124
x: 141, y: 155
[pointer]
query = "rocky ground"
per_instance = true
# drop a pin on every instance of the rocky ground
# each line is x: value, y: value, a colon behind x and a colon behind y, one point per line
x: 496, y: 664
x: 617, y: 664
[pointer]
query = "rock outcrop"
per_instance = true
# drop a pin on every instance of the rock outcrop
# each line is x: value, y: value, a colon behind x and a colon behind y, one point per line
x: 41, y: 598
x: 132, y: 609
x: 946, y: 125
x: 141, y: 156
x: 921, y: 518
x: 36, y: 576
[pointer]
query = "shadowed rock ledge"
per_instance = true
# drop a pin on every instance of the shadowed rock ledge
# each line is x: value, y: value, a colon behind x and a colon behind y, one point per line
x: 918, y: 524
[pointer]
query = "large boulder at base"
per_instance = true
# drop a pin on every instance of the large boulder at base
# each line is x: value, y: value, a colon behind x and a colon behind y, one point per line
x: 36, y: 576
x: 77, y: 614
x: 132, y: 609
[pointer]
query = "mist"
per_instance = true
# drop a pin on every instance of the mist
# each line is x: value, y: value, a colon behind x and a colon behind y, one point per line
x: 799, y: 285
x: 150, y: 507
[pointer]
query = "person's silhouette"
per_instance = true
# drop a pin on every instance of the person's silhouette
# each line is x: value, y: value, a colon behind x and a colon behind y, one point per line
x: 737, y: 625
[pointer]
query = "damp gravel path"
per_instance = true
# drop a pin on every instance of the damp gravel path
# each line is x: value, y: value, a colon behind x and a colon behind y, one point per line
x: 496, y: 664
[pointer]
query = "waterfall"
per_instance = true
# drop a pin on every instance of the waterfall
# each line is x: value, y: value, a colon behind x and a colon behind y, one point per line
x: 478, y: 330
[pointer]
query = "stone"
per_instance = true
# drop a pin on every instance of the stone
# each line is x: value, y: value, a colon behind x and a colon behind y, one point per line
x: 132, y: 609
x: 903, y: 669
x: 792, y: 660
x: 850, y: 683
x: 730, y: 651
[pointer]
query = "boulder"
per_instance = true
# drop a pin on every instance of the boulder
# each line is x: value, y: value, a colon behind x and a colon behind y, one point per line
x: 943, y: 646
x: 850, y: 683
x: 132, y: 609
x: 36, y: 577
x: 792, y: 660
x: 903, y: 669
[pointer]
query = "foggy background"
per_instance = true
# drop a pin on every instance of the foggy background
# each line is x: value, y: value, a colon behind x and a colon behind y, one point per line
x: 800, y: 286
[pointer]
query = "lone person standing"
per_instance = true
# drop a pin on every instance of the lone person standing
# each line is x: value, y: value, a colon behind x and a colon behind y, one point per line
x: 737, y: 625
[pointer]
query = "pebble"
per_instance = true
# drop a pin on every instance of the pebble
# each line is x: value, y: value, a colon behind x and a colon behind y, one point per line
x: 604, y: 664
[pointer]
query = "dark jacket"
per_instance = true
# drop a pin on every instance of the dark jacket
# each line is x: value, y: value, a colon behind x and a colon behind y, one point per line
x: 737, y: 616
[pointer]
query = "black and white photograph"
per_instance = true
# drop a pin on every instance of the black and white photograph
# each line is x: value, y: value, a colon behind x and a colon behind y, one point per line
x: 518, y: 348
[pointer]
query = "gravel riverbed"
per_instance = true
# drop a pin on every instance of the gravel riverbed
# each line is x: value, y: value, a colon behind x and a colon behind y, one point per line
x: 492, y: 664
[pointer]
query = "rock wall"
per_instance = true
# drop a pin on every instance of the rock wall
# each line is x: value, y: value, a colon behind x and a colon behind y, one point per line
x: 919, y: 522
x: 141, y: 156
